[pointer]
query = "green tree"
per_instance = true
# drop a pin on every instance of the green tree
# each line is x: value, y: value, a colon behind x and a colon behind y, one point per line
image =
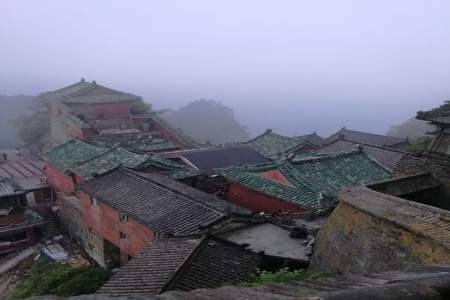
x: 208, y: 121
x: 140, y: 107
x: 412, y: 129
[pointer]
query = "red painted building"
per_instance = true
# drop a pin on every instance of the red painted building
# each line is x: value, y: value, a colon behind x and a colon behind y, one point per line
x: 125, y: 210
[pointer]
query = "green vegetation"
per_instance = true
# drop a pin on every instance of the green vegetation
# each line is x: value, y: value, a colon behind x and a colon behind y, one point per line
x: 51, y: 278
x: 208, y: 121
x: 412, y: 129
x: 140, y: 107
x: 420, y: 145
x: 281, y: 276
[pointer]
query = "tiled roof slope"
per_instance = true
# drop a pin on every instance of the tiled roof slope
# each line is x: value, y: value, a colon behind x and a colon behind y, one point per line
x: 150, y: 271
x: 70, y: 154
x: 162, y: 204
x: 333, y: 173
x: 107, y: 161
x: 273, y: 145
x: 170, y: 168
x: 85, y: 92
x: 440, y: 115
x: 424, y: 220
x: 405, y: 185
x: 425, y: 283
x: 366, y: 138
x: 134, y: 141
x: 209, y: 159
x: 9, y: 187
x: 302, y: 195
x: 183, y: 264
x: 388, y: 157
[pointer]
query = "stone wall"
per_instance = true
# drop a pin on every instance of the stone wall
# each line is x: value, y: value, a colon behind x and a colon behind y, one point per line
x: 353, y: 241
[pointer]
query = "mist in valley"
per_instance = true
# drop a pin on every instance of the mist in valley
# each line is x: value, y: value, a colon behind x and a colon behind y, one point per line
x: 293, y: 66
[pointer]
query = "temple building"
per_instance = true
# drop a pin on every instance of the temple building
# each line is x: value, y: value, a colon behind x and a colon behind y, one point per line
x: 88, y: 110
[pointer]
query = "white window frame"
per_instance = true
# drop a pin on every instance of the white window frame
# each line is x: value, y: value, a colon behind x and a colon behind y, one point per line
x: 94, y: 201
x: 123, y: 217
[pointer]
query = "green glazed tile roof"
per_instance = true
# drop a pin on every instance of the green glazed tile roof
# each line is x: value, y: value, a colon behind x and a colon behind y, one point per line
x: 303, y: 196
x: 137, y: 142
x: 273, y: 145
x: 316, y: 181
x: 70, y: 154
x: 173, y: 170
x: 107, y: 161
x: 333, y: 173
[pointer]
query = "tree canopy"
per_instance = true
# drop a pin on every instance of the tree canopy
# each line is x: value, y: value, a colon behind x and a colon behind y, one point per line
x: 412, y: 129
x: 208, y: 121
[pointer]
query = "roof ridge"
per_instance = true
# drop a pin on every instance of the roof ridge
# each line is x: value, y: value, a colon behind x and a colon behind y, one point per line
x: 329, y: 156
x: 146, y: 177
x: 370, y: 133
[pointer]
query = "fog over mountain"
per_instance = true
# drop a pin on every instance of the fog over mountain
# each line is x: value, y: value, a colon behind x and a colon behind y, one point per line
x: 294, y: 66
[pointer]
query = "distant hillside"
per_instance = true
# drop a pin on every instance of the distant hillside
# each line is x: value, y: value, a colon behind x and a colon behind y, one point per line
x: 412, y: 129
x: 12, y: 107
x: 208, y: 121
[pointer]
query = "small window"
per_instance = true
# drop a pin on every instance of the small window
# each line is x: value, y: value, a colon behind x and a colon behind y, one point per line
x: 123, y: 217
x: 123, y: 236
x: 94, y: 201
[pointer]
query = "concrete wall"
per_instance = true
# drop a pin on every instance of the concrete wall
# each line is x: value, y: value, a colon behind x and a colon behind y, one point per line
x: 353, y: 241
x: 104, y: 220
x: 258, y: 202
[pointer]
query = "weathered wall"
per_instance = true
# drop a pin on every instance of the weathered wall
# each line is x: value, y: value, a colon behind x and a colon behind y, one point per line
x: 59, y: 181
x: 352, y: 241
x: 104, y: 220
x: 101, y: 110
x: 70, y: 216
x: 258, y: 202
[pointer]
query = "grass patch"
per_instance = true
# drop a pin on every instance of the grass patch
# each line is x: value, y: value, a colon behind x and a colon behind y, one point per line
x: 51, y: 278
x: 280, y: 276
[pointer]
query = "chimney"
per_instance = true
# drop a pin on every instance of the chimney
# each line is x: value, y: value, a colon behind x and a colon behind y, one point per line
x: 82, y: 79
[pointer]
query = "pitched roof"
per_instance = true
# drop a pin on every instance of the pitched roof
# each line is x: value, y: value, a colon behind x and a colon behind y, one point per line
x: 9, y: 187
x: 273, y: 145
x: 418, y: 218
x: 248, y: 177
x: 70, y: 154
x: 170, y: 168
x: 427, y: 283
x: 405, y: 185
x: 440, y: 115
x: 333, y: 173
x: 183, y: 264
x: 209, y: 159
x: 388, y: 157
x: 366, y: 138
x: 158, y: 202
x: 107, y: 161
x: 135, y: 141
x: 85, y: 92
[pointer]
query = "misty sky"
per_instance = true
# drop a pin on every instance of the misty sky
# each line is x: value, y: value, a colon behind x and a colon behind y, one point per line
x: 295, y: 66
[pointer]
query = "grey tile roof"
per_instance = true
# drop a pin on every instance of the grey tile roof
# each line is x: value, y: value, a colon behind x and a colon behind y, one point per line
x: 418, y: 218
x: 9, y: 187
x: 388, y: 157
x: 367, y: 138
x: 209, y: 159
x: 439, y: 115
x: 183, y: 264
x: 162, y: 204
x: 405, y: 185
x: 85, y: 92
x: 273, y: 145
